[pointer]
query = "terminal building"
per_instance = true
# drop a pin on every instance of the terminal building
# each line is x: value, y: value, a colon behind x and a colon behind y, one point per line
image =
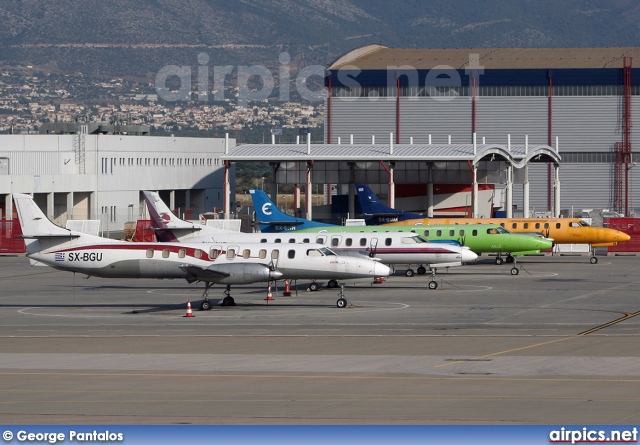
x: 581, y: 101
x: 82, y: 176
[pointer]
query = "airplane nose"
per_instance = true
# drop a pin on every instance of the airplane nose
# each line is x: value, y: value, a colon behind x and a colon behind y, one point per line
x: 381, y: 270
x: 468, y: 255
x: 275, y: 274
x: 621, y: 237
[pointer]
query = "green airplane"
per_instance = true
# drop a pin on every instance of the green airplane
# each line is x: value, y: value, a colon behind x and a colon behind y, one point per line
x: 480, y: 238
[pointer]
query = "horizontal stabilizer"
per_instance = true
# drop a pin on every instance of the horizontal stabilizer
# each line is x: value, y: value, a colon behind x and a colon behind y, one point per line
x: 282, y: 223
x: 53, y: 235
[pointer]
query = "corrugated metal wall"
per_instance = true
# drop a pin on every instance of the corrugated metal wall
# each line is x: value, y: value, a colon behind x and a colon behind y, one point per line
x: 422, y: 116
x: 587, y: 123
x: 498, y: 117
x: 583, y: 124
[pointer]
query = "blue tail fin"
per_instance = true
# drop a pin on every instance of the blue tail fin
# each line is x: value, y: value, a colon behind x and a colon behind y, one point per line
x: 375, y: 212
x: 271, y: 219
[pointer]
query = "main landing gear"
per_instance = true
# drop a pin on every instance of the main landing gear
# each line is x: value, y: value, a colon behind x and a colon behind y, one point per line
x: 228, y: 300
x: 593, y: 259
x: 421, y: 271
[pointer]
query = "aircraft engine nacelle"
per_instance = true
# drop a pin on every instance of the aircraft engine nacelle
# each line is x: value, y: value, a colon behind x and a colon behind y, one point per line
x: 246, y: 273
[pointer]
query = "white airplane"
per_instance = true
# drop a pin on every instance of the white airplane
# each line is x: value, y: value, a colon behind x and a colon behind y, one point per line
x: 391, y: 248
x: 233, y: 263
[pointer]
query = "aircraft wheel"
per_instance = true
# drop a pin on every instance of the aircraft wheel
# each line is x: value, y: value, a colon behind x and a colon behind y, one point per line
x: 341, y: 303
x: 313, y: 287
x: 205, y: 305
x: 515, y: 271
x: 228, y: 301
x: 509, y: 259
x: 593, y: 260
x: 422, y: 270
x: 499, y: 260
x: 332, y: 284
x: 433, y: 285
x: 409, y: 272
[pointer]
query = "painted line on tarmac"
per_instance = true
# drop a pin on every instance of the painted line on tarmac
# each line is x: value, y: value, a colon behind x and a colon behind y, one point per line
x: 626, y: 316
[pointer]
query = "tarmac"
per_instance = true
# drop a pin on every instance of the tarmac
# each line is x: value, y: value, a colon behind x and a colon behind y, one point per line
x: 556, y: 344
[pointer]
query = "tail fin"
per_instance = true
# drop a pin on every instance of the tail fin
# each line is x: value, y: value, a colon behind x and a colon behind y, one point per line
x: 33, y: 221
x: 37, y: 230
x: 271, y: 219
x: 377, y: 213
x: 169, y: 228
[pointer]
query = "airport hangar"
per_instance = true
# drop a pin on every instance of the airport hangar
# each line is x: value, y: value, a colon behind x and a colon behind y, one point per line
x: 576, y: 105
x: 585, y: 98
x: 97, y: 172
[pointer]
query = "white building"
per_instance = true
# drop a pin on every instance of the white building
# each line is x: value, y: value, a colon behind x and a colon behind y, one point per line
x: 100, y: 177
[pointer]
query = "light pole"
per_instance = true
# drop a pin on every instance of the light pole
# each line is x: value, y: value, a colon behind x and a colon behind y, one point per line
x: 262, y: 184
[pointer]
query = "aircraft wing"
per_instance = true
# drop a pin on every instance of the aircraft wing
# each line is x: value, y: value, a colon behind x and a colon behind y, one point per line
x: 195, y: 273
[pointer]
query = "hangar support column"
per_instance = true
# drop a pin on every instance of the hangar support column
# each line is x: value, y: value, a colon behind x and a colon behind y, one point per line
x: 509, y: 191
x: 430, y: 190
x: 525, y: 191
x: 556, y: 210
x: 308, y: 195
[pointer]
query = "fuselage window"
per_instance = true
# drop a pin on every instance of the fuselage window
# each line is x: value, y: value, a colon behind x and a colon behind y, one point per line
x: 474, y: 233
x: 320, y: 240
x: 514, y: 225
x: 263, y: 240
x: 388, y: 241
x: 537, y: 225
x: 292, y: 240
x: 452, y: 233
x: 165, y: 253
x: 277, y: 240
x: 363, y: 242
x: 149, y: 253
x: 546, y: 225
x: 525, y: 225
x: 348, y: 242
x: 462, y: 232
x: 182, y: 253
x: 263, y: 254
x: 438, y: 232
x: 291, y: 254
x: 275, y: 253
x: 213, y: 253
x: 426, y: 233
x: 335, y: 242
x: 502, y: 224
x: 231, y: 254
x: 197, y: 253
x: 306, y: 240
x: 246, y: 254
x: 557, y: 225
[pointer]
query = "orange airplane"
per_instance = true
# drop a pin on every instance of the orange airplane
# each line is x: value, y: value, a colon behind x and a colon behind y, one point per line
x: 561, y: 230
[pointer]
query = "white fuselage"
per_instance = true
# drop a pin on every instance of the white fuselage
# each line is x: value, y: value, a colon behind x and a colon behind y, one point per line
x: 164, y: 260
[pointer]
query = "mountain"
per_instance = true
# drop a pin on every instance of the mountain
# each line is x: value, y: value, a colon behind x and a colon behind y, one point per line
x: 137, y: 38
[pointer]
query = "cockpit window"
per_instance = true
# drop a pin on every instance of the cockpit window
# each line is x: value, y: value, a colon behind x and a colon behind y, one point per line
x: 314, y: 252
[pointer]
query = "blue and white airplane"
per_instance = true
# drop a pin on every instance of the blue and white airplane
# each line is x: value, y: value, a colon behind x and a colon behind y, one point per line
x: 272, y: 219
x: 376, y: 213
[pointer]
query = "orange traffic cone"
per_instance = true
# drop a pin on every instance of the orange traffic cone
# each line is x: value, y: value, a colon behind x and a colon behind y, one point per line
x: 287, y: 289
x: 269, y: 295
x: 189, y: 313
